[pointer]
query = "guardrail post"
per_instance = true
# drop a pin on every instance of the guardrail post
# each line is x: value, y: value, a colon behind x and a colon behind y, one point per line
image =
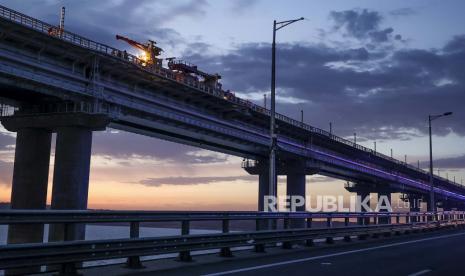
x: 185, y: 256
x: 397, y: 219
x: 286, y: 244
x: 259, y: 248
x: 346, y: 221
x: 134, y: 261
x: 68, y: 235
x: 225, y: 251
x: 329, y: 222
x: 309, y: 242
x: 309, y: 222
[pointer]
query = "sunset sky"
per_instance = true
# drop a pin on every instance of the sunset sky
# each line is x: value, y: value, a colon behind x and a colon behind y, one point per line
x: 377, y: 68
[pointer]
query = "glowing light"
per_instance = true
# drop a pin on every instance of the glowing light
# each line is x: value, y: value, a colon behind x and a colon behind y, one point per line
x: 144, y: 57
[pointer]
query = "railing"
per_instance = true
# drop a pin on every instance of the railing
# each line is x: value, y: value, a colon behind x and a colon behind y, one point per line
x: 67, y: 253
x: 168, y: 74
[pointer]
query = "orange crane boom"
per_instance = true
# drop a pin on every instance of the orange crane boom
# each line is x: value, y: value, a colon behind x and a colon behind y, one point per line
x: 151, y: 51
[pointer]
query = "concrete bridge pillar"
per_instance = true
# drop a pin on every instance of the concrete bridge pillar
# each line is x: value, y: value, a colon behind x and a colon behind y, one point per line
x: 30, y: 174
x: 263, y: 186
x: 30, y: 180
x: 383, y: 205
x: 296, y: 188
x: 71, y: 172
x: 71, y: 177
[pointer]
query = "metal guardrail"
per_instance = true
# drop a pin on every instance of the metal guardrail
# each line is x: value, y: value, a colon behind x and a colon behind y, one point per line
x: 90, y: 216
x: 67, y: 253
x: 81, y: 41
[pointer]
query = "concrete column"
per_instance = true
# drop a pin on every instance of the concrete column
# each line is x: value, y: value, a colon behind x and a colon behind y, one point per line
x: 71, y: 177
x: 30, y: 179
x: 384, y: 220
x: 363, y: 195
x: 263, y: 188
x: 296, y: 187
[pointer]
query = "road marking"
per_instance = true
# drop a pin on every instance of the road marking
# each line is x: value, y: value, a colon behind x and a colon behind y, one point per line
x: 420, y: 272
x: 333, y: 255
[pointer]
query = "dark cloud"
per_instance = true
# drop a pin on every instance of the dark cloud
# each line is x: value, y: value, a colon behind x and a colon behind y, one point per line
x: 357, y: 23
x: 456, y: 45
x: 156, y: 182
x: 102, y: 20
x: 377, y: 93
x: 362, y: 24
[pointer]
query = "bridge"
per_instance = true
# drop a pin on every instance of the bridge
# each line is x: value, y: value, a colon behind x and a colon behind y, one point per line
x: 66, y: 84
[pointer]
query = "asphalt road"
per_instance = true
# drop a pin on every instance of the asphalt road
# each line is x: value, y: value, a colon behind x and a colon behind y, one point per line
x: 438, y: 253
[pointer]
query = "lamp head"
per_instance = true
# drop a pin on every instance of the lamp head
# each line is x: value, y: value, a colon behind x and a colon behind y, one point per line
x: 447, y: 114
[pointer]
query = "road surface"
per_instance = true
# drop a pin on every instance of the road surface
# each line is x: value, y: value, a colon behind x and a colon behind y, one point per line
x: 438, y: 253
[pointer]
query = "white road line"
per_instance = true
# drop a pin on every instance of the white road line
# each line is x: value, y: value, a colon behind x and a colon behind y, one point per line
x: 332, y: 255
x: 420, y: 272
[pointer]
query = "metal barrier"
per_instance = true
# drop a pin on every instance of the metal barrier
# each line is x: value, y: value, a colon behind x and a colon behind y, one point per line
x: 68, y: 253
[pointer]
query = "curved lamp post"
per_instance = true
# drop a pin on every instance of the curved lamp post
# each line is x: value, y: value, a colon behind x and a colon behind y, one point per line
x: 273, y: 148
x: 432, y: 202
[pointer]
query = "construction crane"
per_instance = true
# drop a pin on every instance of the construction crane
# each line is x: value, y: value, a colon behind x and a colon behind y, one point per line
x: 151, y: 52
x: 187, y: 68
x: 58, y: 31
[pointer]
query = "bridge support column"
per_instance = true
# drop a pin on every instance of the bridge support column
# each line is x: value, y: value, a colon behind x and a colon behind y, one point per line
x: 30, y: 180
x: 71, y: 177
x: 296, y: 192
x: 263, y: 190
x: 384, y: 205
x: 71, y: 172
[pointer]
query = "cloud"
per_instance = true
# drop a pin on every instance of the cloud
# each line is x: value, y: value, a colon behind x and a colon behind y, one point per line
x: 157, y: 182
x: 447, y: 163
x: 125, y: 145
x: 402, y: 12
x: 6, y: 141
x: 6, y: 173
x: 378, y: 93
x: 242, y: 6
x: 362, y: 24
x: 102, y: 20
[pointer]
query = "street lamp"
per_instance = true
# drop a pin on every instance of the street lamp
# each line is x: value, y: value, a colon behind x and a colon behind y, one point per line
x: 273, y: 148
x: 432, y: 207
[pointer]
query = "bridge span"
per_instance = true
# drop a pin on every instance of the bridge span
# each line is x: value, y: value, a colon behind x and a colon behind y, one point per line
x: 67, y: 84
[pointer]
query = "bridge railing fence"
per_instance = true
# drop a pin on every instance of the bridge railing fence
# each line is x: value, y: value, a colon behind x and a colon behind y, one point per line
x: 267, y: 232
